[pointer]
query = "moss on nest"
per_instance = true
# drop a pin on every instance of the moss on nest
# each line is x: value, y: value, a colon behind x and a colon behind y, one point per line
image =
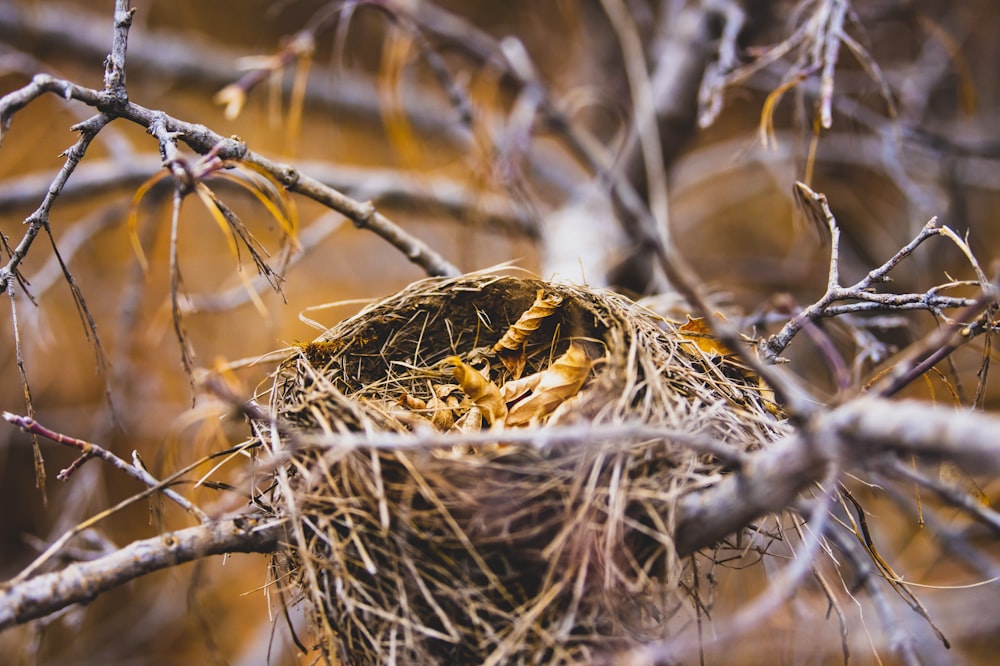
x: 479, y: 544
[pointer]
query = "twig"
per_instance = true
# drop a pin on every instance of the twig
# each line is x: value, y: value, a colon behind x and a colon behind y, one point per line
x: 644, y: 126
x: 90, y: 450
x: 939, y: 344
x: 9, y: 104
x: 203, y: 140
x: 900, y: 640
x: 81, y: 582
x: 951, y: 494
x: 114, y: 68
x: 638, y: 220
x: 954, y: 541
x: 386, y: 186
x: 39, y: 220
x: 37, y: 459
x: 542, y: 439
x: 862, y: 292
x: 58, y: 544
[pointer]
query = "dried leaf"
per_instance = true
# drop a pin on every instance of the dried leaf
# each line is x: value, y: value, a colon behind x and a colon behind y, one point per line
x: 471, y: 421
x: 698, y: 332
x: 441, y: 413
x: 518, y: 388
x: 767, y: 397
x: 510, y: 348
x: 234, y: 98
x: 560, y: 382
x: 447, y: 393
x: 411, y: 402
x: 133, y: 216
x: 483, y: 393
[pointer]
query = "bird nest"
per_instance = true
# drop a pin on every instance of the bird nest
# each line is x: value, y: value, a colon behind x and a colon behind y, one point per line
x: 485, y: 469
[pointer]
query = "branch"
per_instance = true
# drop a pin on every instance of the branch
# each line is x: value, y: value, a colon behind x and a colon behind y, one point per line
x: 851, y: 435
x: 82, y: 582
x: 114, y: 68
x: 40, y: 218
x: 203, y: 140
x: 90, y: 450
x: 862, y: 293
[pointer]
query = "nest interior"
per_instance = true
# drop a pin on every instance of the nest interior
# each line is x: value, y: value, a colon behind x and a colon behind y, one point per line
x: 490, y: 540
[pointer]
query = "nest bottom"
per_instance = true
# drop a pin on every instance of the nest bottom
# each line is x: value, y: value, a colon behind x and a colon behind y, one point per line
x: 512, y: 550
x: 503, y: 558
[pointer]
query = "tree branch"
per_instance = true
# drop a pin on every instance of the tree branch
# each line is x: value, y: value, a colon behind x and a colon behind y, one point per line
x: 203, y: 140
x: 852, y: 435
x: 114, y: 72
x: 862, y: 293
x: 82, y: 582
x: 90, y: 450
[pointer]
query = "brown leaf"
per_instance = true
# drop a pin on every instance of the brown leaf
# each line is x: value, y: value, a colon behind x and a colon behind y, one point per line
x: 517, y: 388
x: 483, y: 393
x: 560, y: 382
x: 699, y: 332
x: 442, y: 416
x: 411, y: 402
x: 510, y: 348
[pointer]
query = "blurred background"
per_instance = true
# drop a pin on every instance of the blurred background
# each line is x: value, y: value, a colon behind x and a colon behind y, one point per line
x: 452, y: 117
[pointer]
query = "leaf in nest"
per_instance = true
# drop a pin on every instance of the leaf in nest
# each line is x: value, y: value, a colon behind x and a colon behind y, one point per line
x: 518, y: 388
x: 411, y: 403
x: 471, y: 421
x: 442, y: 405
x: 510, y: 348
x: 560, y: 382
x: 483, y: 393
x: 699, y: 332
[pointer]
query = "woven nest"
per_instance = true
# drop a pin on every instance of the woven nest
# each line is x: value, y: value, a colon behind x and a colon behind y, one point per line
x: 434, y: 524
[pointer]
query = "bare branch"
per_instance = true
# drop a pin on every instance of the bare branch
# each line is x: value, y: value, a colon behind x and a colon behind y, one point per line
x: 90, y: 450
x: 40, y: 218
x: 82, y: 582
x: 114, y: 72
x: 852, y: 434
x: 863, y: 293
x: 203, y: 140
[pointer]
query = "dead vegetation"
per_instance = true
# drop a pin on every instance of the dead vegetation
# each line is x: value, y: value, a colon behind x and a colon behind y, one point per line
x: 493, y: 543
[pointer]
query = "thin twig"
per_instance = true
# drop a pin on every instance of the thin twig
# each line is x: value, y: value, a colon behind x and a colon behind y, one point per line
x: 953, y: 495
x: 781, y: 587
x: 900, y: 640
x: 59, y: 543
x: 939, y: 344
x: 203, y: 140
x: 90, y: 450
x: 865, y: 298
x: 88, y: 129
x: 644, y: 125
x: 114, y: 72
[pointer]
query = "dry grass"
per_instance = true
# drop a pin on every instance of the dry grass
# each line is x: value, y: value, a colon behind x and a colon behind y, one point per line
x: 551, y: 544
